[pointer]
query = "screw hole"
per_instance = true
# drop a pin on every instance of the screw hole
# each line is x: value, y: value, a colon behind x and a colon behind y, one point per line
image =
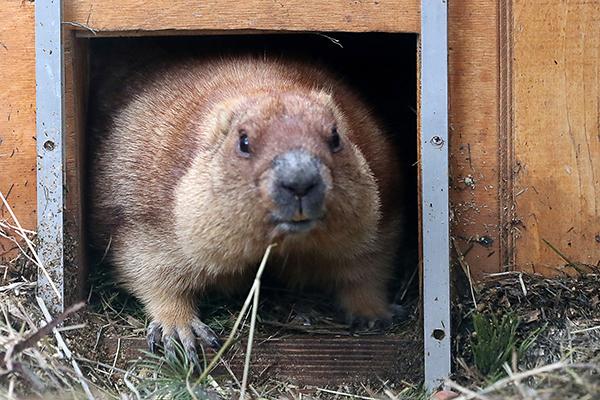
x: 438, y: 334
x: 49, y: 145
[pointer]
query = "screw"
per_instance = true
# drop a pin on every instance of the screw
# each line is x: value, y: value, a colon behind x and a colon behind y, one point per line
x: 49, y: 145
x: 437, y: 141
x: 485, y: 241
x: 469, y: 181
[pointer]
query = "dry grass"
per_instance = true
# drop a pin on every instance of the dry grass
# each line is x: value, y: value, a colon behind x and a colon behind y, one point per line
x: 34, y: 357
x: 561, y: 363
x: 43, y: 370
x: 563, y: 359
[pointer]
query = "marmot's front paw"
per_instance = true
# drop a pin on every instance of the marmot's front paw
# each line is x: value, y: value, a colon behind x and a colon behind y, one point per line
x: 363, y: 323
x: 186, y: 334
x: 395, y: 313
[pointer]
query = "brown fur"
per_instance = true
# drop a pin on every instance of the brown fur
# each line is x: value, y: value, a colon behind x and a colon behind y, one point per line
x: 185, y: 213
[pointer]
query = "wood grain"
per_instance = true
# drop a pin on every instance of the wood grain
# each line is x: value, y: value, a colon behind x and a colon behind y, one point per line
x: 17, y: 114
x: 505, y: 127
x: 556, y: 131
x: 76, y: 75
x: 475, y: 144
x: 106, y: 16
x: 547, y: 133
x: 309, y: 359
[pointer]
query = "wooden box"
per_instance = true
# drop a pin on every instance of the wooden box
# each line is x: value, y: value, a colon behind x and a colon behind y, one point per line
x: 524, y: 141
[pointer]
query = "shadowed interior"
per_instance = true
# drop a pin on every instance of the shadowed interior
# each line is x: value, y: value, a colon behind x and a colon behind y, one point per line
x: 383, y: 69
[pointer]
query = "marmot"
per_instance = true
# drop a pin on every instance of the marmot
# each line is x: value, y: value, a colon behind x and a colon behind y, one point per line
x: 198, y: 165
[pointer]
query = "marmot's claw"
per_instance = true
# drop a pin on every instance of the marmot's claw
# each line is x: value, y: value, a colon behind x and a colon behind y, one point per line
x: 188, y: 341
x: 359, y: 323
x: 186, y: 335
x: 154, y: 336
x: 206, y: 334
x: 399, y: 312
x: 170, y: 346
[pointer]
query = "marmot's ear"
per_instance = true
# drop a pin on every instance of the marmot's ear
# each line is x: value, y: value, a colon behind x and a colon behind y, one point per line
x: 225, y: 113
x: 324, y: 95
x: 223, y: 117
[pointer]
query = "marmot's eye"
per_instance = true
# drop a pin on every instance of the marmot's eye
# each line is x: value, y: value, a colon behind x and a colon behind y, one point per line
x: 335, y: 143
x: 244, y: 144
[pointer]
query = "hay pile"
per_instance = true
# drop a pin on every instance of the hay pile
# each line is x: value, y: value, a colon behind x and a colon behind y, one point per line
x: 33, y: 358
x: 560, y: 315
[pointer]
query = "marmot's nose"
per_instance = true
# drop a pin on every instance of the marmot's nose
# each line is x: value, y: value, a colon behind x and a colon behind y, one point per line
x: 298, y: 183
x: 300, y: 187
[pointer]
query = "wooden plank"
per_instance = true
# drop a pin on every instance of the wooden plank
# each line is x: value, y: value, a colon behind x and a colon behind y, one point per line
x: 106, y: 16
x: 505, y: 125
x: 475, y: 143
x: 17, y: 114
x: 556, y: 91
x: 473, y: 69
x: 308, y: 360
x: 76, y: 70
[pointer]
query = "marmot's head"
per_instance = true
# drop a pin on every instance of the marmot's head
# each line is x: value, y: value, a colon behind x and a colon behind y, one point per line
x: 283, y: 164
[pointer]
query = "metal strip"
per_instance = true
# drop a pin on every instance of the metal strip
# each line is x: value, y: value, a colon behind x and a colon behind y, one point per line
x: 50, y: 155
x: 434, y: 190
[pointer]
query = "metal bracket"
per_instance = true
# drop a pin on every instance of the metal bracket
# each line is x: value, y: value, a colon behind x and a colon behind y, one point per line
x: 434, y: 191
x: 49, y: 72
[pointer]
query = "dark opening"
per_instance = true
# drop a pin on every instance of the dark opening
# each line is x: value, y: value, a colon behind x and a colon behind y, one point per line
x: 381, y: 67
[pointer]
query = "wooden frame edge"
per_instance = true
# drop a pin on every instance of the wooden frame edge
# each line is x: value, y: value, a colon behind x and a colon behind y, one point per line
x: 505, y: 134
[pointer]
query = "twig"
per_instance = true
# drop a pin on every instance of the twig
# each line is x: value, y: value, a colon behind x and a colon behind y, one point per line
x: 593, y: 328
x: 80, y: 25
x: 463, y: 390
x: 106, y: 250
x: 71, y: 327
x: 522, y: 283
x: 11, y: 388
x: 114, y: 364
x: 216, y: 386
x: 466, y: 269
x: 258, y: 396
x: 65, y: 349
x: 576, y: 266
x: 30, y: 377
x: 332, y: 39
x: 407, y: 286
x: 5, y: 224
x: 236, y: 325
x: 353, y: 396
x: 250, y: 336
x: 103, y: 365
x: 30, y: 245
x: 31, y: 340
x: 522, y: 375
x: 516, y: 381
x: 17, y: 285
x: 131, y: 386
x: 21, y: 249
x: 501, y: 274
x: 560, y: 254
x: 188, y: 386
